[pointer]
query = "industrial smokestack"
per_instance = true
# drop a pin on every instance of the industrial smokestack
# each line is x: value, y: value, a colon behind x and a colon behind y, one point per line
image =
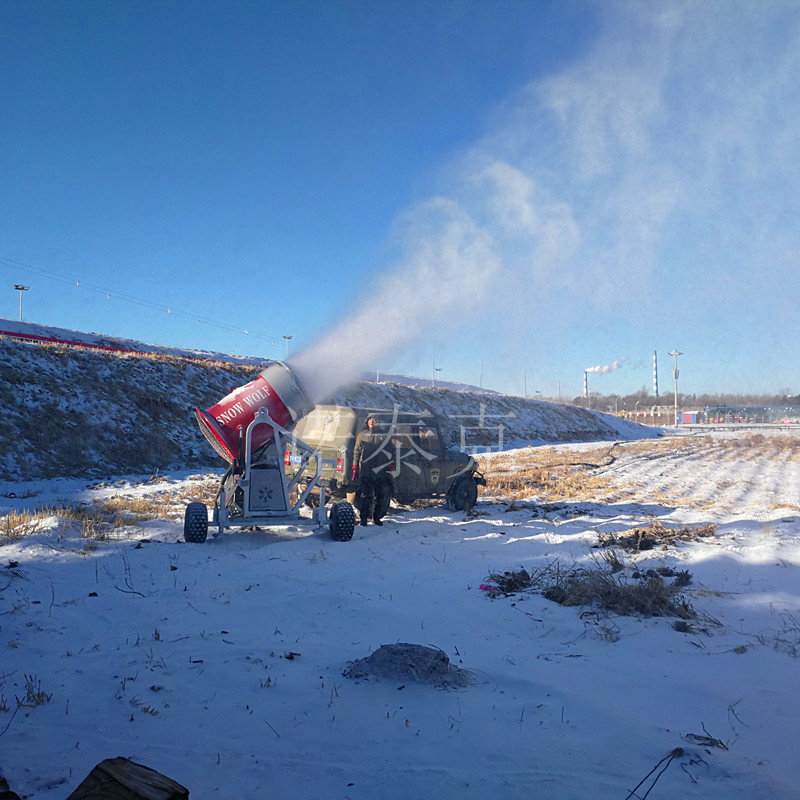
x: 586, y: 383
x: 655, y: 373
x: 277, y: 389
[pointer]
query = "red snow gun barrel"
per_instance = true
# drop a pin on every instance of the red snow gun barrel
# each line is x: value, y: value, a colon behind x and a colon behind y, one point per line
x: 276, y: 388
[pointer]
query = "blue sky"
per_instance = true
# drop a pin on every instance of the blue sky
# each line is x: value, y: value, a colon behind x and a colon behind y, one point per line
x: 541, y: 187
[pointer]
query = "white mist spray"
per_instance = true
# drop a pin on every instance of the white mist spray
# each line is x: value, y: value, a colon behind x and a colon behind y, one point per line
x: 595, y: 188
x: 450, y: 263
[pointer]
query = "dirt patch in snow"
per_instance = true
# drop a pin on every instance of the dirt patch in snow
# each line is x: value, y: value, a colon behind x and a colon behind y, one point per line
x: 409, y: 662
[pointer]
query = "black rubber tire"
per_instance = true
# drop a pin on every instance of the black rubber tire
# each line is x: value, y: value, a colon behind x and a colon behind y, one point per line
x: 463, y: 494
x: 195, y: 523
x: 342, y: 522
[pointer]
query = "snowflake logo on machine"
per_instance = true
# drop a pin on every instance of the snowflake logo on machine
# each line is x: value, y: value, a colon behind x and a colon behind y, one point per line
x: 265, y: 494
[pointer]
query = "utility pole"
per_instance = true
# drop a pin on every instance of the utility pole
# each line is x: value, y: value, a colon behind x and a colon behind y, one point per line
x: 676, y: 353
x: 20, y: 288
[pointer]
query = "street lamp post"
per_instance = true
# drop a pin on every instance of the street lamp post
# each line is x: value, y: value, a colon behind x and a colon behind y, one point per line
x: 287, y: 346
x: 676, y: 353
x: 20, y: 288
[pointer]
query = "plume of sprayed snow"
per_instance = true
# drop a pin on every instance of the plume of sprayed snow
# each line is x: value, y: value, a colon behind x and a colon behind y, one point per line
x: 450, y: 264
x: 669, y: 149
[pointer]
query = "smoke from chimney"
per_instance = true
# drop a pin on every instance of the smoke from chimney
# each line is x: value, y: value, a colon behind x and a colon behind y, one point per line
x: 615, y: 365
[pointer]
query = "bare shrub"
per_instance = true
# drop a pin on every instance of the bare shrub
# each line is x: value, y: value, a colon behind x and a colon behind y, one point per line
x: 647, y: 596
x: 656, y: 534
x: 511, y: 581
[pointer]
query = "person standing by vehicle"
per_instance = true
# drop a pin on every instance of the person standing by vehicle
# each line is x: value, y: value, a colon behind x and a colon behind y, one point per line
x: 371, y: 459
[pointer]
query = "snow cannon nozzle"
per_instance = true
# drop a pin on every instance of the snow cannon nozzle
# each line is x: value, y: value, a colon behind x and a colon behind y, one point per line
x: 277, y: 389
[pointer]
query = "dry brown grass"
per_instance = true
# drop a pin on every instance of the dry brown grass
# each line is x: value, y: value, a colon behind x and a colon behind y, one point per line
x: 566, y: 474
x: 780, y: 447
x: 19, y: 524
x: 101, y: 517
x: 656, y: 534
x: 66, y: 351
x: 553, y: 475
x: 648, y: 595
x: 655, y: 448
x: 776, y: 504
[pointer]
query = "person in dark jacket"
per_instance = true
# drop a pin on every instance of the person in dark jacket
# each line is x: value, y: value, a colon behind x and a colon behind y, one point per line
x: 371, y: 459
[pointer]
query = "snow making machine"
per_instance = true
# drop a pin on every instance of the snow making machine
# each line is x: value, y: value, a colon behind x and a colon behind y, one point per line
x: 251, y: 429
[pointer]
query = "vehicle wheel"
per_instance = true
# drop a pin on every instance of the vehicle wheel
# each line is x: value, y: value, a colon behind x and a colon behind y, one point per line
x: 195, y: 523
x: 463, y: 494
x: 342, y: 522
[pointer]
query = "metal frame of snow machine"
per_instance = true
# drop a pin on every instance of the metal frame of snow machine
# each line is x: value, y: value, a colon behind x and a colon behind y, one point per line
x: 255, y: 490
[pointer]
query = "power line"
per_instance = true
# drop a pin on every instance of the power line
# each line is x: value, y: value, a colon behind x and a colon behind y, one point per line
x: 87, y: 285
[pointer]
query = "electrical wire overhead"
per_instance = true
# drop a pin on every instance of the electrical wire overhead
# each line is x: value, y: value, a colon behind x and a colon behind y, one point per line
x: 109, y: 293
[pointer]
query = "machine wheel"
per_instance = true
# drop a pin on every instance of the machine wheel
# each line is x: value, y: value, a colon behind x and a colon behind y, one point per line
x: 195, y: 523
x: 342, y: 522
x: 463, y: 494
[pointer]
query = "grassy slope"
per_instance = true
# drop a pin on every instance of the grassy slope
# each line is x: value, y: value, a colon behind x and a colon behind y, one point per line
x: 69, y: 412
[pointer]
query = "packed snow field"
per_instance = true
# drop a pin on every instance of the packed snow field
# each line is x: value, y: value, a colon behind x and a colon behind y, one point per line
x: 221, y: 665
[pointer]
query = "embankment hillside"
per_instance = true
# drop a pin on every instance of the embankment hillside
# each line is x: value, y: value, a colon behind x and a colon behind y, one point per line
x: 74, y: 412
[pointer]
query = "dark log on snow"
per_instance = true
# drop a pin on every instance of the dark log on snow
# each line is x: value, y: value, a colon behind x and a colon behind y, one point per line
x: 121, y: 779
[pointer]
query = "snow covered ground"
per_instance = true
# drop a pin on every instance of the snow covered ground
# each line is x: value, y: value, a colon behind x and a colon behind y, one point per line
x: 220, y: 665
